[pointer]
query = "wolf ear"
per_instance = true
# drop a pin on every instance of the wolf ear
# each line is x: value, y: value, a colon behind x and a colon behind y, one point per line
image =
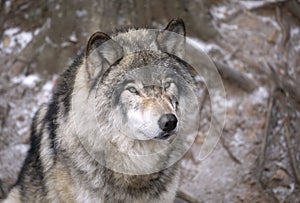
x: 101, y: 53
x: 172, y: 38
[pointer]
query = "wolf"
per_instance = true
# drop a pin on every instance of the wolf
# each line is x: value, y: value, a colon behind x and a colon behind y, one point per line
x: 114, y: 128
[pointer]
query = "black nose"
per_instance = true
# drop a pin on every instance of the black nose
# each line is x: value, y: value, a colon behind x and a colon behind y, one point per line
x: 167, y: 122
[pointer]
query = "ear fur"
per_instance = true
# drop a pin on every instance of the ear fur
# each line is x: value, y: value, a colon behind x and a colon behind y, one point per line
x: 101, y: 53
x: 172, y: 38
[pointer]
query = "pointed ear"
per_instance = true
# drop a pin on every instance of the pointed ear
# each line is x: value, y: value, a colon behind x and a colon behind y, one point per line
x: 172, y: 38
x: 101, y: 53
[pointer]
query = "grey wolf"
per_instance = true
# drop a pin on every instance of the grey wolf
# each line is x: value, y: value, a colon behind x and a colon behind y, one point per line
x: 121, y: 100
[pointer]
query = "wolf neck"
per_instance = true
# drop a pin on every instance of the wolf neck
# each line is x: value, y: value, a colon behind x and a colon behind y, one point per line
x: 136, y: 157
x: 132, y: 188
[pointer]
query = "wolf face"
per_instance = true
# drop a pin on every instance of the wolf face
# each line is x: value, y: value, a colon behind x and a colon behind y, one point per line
x: 148, y: 109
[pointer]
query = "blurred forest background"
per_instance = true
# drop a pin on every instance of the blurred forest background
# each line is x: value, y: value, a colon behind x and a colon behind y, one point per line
x: 254, y: 44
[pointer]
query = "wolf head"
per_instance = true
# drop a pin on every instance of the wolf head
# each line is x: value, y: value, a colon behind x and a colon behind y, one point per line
x: 145, y: 75
x: 137, y: 89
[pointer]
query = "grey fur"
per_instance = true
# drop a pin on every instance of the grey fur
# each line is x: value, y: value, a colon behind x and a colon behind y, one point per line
x: 71, y: 157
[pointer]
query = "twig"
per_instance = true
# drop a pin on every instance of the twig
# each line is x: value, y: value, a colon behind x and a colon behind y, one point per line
x: 261, y: 158
x: 187, y: 197
x: 231, y: 155
x: 286, y: 88
x: 240, y: 79
x: 294, y: 7
x: 291, y: 151
x: 285, y: 35
x: 283, y: 100
x: 282, y: 27
x: 2, y: 193
x: 273, y: 74
x: 271, y: 196
x: 291, y: 89
x: 233, y: 53
x: 246, y: 59
x: 290, y: 86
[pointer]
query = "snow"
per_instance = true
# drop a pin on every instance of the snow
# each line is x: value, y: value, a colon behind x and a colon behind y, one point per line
x: 65, y: 44
x: 282, y: 192
x: 22, y: 148
x: 81, y: 13
x: 257, y: 3
x: 221, y: 12
x: 232, y: 102
x: 200, y: 45
x: 48, y: 86
x: 238, y: 140
x: 30, y: 80
x: 48, y: 40
x: 297, y: 47
x: 57, y: 7
x: 46, y: 91
x: 259, y: 96
x: 11, y: 31
x: 24, y: 38
x: 17, y: 40
x: 199, y: 78
x: 252, y: 4
x: 269, y: 20
x: 7, y: 5
x: 37, y: 31
x: 73, y: 37
x: 224, y: 26
x: 25, y: 6
x: 295, y: 31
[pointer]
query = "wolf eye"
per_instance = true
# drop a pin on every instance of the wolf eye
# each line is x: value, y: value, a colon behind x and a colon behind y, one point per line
x: 167, y: 85
x: 132, y: 90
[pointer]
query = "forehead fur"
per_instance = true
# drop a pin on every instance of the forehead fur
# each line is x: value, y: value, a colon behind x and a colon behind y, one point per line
x: 148, y: 59
x: 136, y: 40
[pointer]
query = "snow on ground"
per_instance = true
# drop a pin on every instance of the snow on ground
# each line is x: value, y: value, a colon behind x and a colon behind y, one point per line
x: 81, y: 13
x: 259, y: 96
x: 30, y: 80
x: 14, y: 40
x: 252, y: 4
x: 29, y: 92
x: 219, y: 12
x: 222, y: 12
x: 269, y: 20
x: 200, y: 45
x: 256, y: 3
x: 295, y: 37
x: 73, y: 37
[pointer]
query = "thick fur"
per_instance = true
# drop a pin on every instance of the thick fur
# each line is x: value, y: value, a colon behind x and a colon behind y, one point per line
x: 69, y: 144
